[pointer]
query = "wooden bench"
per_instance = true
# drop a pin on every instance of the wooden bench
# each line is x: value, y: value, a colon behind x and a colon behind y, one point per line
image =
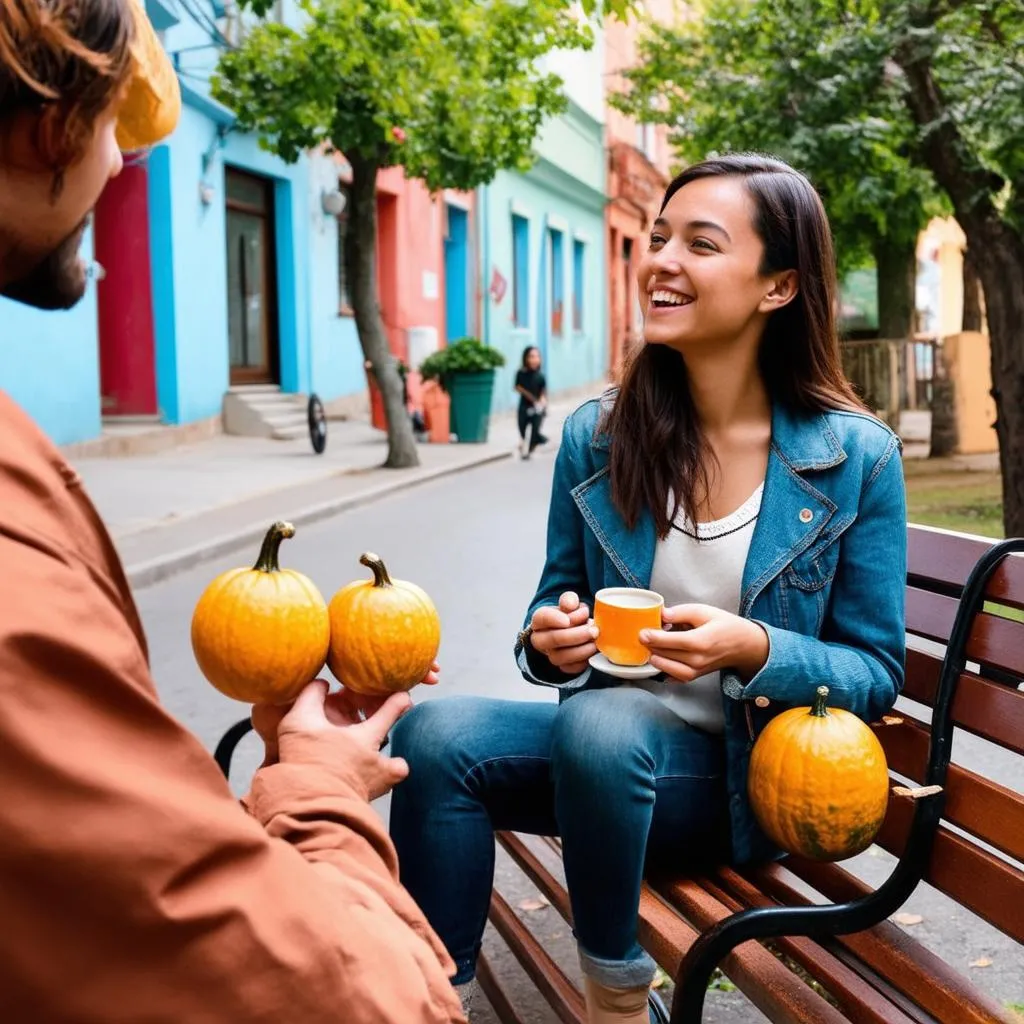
x: 949, y: 826
x: 821, y: 920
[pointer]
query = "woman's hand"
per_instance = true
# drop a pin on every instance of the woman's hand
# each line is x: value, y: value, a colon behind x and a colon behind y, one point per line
x: 564, y: 634
x: 704, y: 639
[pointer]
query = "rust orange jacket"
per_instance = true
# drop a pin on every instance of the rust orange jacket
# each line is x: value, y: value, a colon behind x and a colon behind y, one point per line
x: 133, y: 886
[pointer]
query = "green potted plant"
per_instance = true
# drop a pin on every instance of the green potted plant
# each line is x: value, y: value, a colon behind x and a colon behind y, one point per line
x: 465, y: 369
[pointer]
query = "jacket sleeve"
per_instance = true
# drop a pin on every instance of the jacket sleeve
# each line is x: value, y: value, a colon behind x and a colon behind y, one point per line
x: 860, y: 653
x: 565, y: 566
x: 135, y: 887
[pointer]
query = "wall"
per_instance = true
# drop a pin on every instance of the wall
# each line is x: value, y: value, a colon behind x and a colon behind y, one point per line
x: 620, y: 54
x: 576, y: 358
x: 968, y: 363
x: 638, y: 169
x: 942, y: 244
x: 49, y: 364
x: 336, y: 360
x: 410, y: 252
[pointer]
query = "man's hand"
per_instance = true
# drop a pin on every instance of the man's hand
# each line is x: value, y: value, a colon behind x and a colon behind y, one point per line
x: 323, y: 728
x: 342, y: 708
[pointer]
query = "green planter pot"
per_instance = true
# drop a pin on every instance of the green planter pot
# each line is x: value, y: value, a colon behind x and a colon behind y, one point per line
x: 471, y: 405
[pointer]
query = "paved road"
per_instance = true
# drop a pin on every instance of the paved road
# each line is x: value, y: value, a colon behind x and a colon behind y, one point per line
x: 475, y: 542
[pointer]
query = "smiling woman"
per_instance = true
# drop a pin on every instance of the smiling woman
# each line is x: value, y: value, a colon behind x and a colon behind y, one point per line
x: 735, y: 474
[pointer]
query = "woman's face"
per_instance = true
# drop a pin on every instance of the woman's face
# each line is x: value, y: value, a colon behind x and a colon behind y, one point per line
x: 533, y: 359
x: 700, y: 282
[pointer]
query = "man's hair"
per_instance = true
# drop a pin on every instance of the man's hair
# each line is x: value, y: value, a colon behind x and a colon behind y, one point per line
x: 72, y: 53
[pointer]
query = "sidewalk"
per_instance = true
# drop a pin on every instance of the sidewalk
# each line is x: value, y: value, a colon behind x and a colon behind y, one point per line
x: 170, y: 511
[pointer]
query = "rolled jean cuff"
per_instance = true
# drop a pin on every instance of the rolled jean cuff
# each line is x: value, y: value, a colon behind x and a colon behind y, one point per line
x: 465, y: 970
x: 622, y: 974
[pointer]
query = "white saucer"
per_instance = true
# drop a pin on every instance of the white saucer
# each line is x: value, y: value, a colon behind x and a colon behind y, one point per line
x: 602, y: 664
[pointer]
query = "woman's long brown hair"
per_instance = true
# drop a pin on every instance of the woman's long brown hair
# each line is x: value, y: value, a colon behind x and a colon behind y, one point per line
x: 659, y: 453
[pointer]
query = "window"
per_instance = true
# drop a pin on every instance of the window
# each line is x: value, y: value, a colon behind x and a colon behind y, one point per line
x: 520, y: 271
x: 344, y: 295
x: 557, y: 280
x: 579, y: 266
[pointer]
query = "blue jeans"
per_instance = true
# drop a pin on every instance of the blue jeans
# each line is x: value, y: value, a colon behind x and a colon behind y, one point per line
x: 624, y: 782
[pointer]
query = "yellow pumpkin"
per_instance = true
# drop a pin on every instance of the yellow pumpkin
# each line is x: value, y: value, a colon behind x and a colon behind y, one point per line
x: 260, y: 634
x: 818, y: 782
x: 384, y: 633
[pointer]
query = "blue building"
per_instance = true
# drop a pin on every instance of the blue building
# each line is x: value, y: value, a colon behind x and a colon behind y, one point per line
x: 220, y: 271
x: 544, y: 261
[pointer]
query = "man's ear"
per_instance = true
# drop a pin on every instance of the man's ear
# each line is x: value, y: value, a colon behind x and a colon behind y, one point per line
x: 784, y: 289
x: 51, y: 137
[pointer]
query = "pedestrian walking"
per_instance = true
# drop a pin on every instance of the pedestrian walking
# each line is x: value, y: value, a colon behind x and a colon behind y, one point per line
x: 533, y: 401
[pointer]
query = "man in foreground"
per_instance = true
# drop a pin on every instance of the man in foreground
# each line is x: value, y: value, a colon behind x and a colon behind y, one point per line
x: 133, y: 887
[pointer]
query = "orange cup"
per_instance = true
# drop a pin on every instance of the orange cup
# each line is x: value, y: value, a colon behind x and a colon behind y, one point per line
x: 620, y: 613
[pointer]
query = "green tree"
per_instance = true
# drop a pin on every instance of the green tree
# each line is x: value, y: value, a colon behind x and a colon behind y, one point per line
x: 874, y: 97
x: 449, y: 89
x: 747, y: 75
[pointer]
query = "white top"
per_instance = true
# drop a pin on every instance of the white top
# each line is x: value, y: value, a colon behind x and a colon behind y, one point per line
x: 702, y: 566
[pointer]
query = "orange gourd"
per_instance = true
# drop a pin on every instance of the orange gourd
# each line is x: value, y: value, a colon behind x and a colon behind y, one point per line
x: 260, y: 634
x: 385, y: 633
x: 818, y: 782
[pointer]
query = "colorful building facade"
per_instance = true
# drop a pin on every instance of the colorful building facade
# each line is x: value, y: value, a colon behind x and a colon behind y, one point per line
x: 218, y: 269
x: 543, y: 262
x: 637, y: 173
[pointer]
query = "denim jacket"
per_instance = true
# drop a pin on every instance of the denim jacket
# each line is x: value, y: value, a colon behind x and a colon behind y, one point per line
x: 825, y: 575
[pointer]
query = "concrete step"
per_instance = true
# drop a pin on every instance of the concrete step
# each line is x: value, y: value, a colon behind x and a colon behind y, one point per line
x: 291, y: 433
x: 263, y: 411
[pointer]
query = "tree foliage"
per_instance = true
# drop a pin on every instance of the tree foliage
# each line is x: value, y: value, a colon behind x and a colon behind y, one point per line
x: 792, y: 79
x: 449, y: 89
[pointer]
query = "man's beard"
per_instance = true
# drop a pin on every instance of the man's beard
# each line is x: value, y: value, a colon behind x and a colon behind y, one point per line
x: 58, y: 282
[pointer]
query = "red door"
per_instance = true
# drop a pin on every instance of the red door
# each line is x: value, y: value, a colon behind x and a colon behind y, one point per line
x: 125, y: 297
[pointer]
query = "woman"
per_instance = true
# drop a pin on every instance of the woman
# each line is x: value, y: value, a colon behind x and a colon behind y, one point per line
x: 736, y: 473
x: 533, y: 400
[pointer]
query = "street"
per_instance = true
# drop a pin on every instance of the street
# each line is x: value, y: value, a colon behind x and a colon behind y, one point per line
x: 474, y: 542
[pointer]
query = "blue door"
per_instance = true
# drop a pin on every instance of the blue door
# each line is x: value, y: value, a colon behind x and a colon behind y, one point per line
x: 456, y: 274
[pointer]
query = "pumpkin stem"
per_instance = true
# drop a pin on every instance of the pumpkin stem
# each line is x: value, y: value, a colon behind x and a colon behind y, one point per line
x: 819, y: 710
x: 380, y: 572
x: 267, y: 562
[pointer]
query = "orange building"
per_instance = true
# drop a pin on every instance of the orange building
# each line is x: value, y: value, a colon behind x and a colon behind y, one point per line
x: 426, y: 268
x: 638, y: 171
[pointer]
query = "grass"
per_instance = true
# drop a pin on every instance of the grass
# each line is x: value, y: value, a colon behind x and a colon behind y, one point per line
x: 941, y: 494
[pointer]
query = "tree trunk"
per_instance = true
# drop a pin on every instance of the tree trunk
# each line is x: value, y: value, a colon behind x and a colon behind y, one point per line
x: 972, y: 318
x: 896, y: 264
x: 361, y: 271
x: 997, y: 249
x: 999, y: 257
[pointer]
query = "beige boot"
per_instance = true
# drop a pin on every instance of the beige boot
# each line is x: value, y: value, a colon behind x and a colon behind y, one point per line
x: 615, y: 1005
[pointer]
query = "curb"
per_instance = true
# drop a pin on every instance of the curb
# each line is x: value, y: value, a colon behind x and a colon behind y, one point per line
x: 156, y: 570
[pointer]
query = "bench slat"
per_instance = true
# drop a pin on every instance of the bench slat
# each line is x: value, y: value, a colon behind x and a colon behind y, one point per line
x: 986, y: 809
x: 991, y: 710
x: 496, y: 995
x: 778, y: 993
x: 939, y: 560
x: 861, y: 1002
x: 559, y: 992
x: 666, y: 936
x: 886, y: 948
x: 975, y: 878
x: 993, y: 640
